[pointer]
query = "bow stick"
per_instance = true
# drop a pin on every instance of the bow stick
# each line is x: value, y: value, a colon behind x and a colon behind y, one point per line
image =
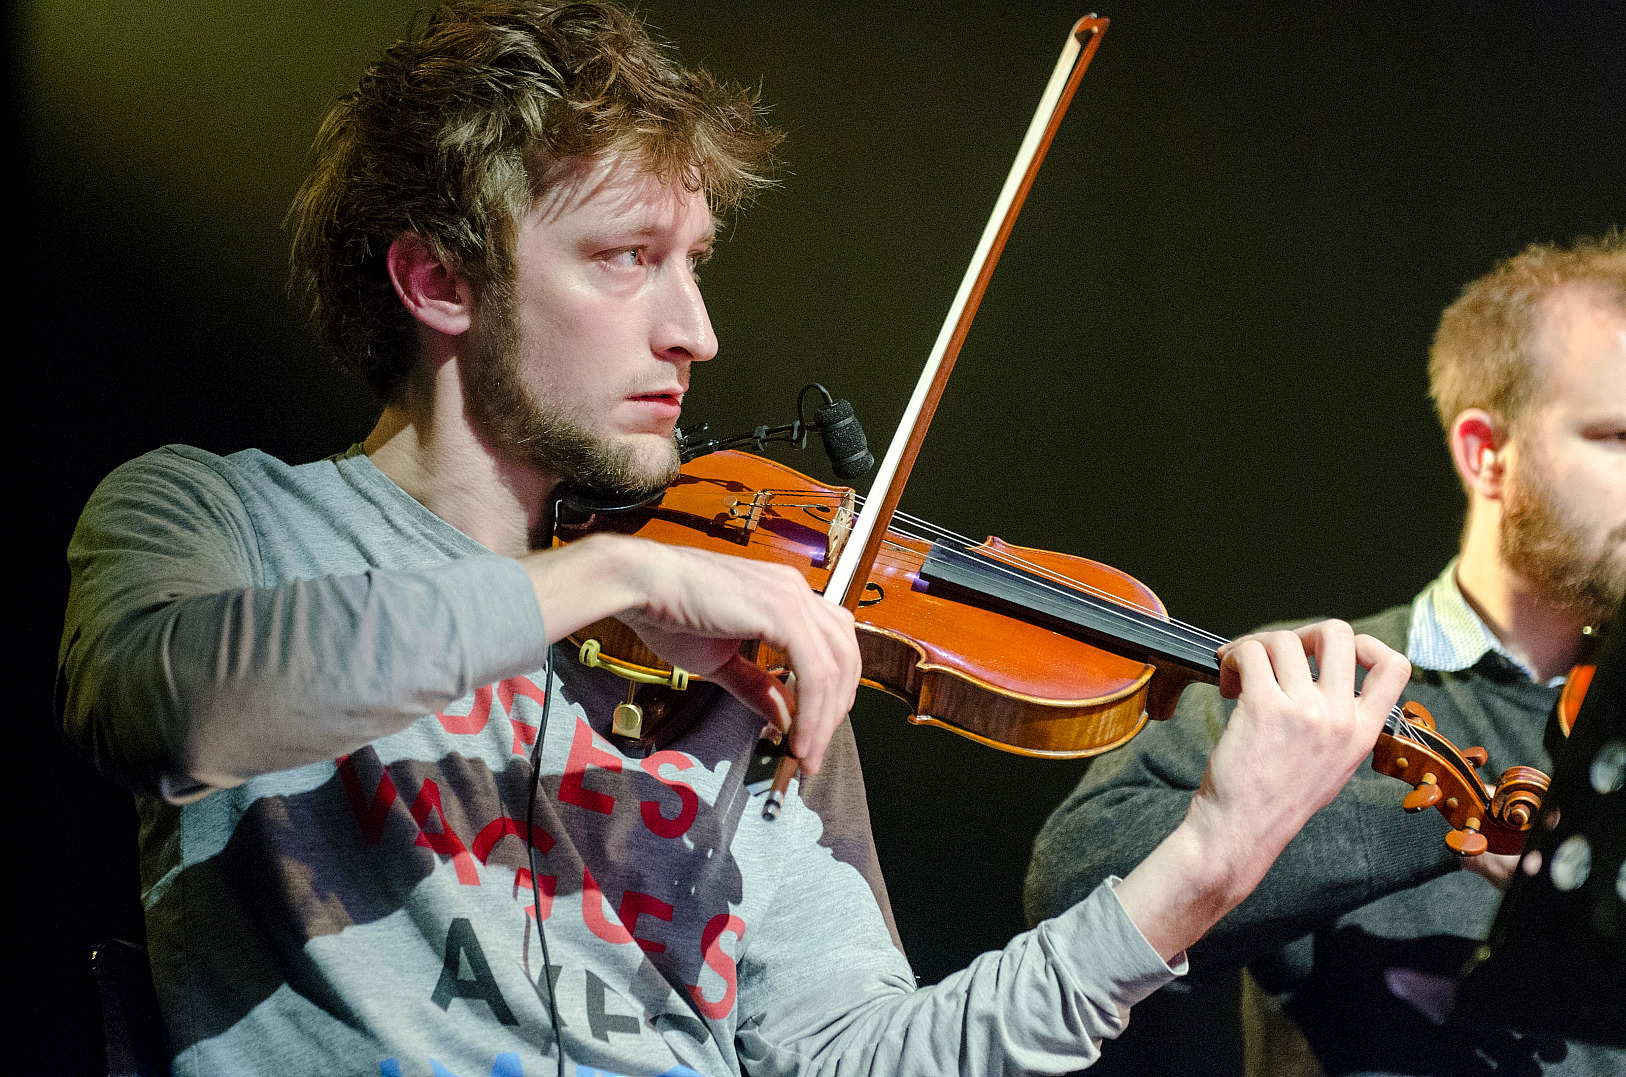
x: 852, y: 567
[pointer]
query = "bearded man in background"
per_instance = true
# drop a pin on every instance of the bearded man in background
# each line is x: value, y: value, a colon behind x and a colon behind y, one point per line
x: 1367, y: 909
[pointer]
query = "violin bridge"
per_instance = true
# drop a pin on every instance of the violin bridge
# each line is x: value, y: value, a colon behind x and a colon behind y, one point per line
x: 841, y: 526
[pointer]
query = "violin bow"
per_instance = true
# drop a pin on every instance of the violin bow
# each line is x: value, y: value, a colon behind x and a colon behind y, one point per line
x: 863, y: 545
x: 852, y: 566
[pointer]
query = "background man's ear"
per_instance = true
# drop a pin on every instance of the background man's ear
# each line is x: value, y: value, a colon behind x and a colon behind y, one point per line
x: 1481, y: 451
x: 437, y: 296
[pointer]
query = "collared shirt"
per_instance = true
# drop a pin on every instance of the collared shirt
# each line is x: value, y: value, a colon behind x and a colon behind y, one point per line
x: 1446, y: 634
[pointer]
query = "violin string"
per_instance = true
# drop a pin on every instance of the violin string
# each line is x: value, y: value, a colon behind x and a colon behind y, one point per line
x: 1396, y: 720
x: 1066, y: 586
x: 1014, y: 565
x: 1073, y: 590
x: 1068, y: 582
x: 1070, y: 590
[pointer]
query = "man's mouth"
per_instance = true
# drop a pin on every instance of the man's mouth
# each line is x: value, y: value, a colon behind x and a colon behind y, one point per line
x: 663, y: 404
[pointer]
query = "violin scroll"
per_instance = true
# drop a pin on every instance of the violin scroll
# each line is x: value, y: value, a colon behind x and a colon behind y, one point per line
x: 1445, y: 777
x: 1518, y: 796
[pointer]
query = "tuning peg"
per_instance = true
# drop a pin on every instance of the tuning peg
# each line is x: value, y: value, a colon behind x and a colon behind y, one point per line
x: 1476, y: 756
x: 1468, y: 841
x: 1426, y: 795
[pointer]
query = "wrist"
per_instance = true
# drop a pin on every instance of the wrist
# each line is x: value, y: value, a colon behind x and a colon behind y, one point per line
x: 1182, y: 889
x: 1237, y: 847
x: 622, y: 567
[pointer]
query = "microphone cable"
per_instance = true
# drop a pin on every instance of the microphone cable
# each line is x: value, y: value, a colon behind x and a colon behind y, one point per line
x: 530, y: 844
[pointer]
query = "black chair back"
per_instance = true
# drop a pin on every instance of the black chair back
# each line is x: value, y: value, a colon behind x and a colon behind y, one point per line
x: 132, y: 1029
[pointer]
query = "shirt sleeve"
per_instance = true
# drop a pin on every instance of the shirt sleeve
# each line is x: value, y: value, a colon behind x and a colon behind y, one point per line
x: 1042, y: 1005
x: 825, y: 989
x: 1359, y: 847
x: 181, y: 670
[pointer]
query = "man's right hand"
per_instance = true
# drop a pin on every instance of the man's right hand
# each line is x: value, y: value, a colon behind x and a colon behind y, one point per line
x: 1290, y: 745
x: 693, y: 608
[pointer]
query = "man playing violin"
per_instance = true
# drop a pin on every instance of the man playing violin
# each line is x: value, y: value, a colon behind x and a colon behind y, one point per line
x: 385, y: 829
x: 1366, y: 915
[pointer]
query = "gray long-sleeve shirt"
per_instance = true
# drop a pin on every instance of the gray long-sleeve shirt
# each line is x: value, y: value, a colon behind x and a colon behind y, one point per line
x: 372, y: 913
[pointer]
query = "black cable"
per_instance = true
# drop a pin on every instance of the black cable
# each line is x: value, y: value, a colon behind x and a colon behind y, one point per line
x: 530, y: 847
x: 801, y: 402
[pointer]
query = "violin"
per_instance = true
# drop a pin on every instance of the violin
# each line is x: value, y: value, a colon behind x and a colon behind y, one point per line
x: 1030, y: 651
x: 1039, y: 653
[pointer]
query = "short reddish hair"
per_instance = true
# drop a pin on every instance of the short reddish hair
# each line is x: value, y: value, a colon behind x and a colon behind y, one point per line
x: 1481, y: 356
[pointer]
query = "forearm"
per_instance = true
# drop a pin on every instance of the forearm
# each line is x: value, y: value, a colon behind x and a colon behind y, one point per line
x: 1182, y: 889
x: 212, y: 689
x: 587, y: 581
x: 1358, y: 848
x: 1107, y: 826
x: 1041, y: 1005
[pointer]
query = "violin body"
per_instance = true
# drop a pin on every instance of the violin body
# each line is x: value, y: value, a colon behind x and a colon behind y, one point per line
x: 962, y: 659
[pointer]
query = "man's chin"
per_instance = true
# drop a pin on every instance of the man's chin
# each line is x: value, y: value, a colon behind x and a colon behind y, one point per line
x: 640, y: 464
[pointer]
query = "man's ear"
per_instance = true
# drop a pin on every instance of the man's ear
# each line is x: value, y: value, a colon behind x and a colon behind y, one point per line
x: 435, y: 295
x: 1479, y: 448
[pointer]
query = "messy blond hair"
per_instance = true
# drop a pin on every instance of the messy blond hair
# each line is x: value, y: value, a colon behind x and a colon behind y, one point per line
x: 451, y: 135
x: 1481, y: 356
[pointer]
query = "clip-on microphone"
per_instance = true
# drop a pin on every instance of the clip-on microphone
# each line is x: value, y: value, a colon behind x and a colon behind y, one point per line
x: 837, y: 426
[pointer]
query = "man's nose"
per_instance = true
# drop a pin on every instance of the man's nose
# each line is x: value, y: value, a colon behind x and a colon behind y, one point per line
x: 682, y: 329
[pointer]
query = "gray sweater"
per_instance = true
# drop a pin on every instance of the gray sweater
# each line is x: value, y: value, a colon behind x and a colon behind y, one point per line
x: 1363, y: 894
x: 371, y: 913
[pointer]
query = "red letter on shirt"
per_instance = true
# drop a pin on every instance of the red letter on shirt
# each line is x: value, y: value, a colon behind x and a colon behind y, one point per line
x: 688, y: 800
x: 475, y: 720
x: 635, y: 904
x: 583, y: 753
x: 370, y: 814
x: 720, y: 963
x: 546, y: 886
x: 446, y: 842
x: 524, y: 735
x: 502, y: 827
x: 593, y: 912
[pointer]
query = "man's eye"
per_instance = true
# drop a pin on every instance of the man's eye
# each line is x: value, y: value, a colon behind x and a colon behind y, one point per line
x: 627, y: 259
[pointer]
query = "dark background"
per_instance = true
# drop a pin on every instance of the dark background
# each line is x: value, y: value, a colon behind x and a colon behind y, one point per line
x: 1201, y: 360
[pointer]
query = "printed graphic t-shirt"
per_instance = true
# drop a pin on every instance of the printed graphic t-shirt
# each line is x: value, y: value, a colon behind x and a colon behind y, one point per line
x: 374, y: 913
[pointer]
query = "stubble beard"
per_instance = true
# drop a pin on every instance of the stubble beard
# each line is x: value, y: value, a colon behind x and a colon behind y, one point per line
x: 1556, y: 555
x: 543, y: 434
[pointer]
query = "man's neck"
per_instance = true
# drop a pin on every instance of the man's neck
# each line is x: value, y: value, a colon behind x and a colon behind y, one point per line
x: 1538, y: 634
x: 426, y: 443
